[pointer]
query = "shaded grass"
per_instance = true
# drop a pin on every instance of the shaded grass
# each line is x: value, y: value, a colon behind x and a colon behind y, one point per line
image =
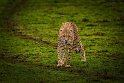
x: 24, y: 73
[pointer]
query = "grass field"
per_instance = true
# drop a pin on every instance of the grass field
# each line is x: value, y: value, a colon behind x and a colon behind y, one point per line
x: 28, y: 41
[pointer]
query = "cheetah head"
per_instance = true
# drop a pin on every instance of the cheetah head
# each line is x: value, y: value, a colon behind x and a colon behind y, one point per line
x: 66, y: 32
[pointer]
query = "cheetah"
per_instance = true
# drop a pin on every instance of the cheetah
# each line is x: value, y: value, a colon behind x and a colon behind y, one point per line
x: 68, y: 40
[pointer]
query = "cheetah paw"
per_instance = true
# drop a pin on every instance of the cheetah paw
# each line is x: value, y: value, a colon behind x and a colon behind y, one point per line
x: 59, y: 65
x: 84, y: 59
x: 68, y: 66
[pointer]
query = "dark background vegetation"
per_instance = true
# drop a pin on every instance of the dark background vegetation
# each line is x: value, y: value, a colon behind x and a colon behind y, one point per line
x: 28, y: 41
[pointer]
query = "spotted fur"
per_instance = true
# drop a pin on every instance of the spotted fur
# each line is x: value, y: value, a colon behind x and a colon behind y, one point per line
x: 68, y: 40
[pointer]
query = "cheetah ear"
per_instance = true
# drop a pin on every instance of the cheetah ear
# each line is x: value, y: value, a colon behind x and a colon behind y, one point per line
x: 62, y: 25
x: 71, y: 22
x: 75, y: 29
x: 74, y: 26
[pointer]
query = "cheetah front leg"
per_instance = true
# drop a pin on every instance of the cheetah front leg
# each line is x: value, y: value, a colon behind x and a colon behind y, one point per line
x: 83, y: 58
x: 61, y: 56
x: 69, y: 57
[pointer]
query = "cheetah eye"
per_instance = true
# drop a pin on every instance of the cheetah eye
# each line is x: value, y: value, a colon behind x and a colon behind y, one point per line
x: 60, y: 30
x: 71, y: 30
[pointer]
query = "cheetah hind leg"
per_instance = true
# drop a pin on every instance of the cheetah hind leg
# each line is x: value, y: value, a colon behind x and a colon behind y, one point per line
x: 77, y: 50
x: 83, y: 58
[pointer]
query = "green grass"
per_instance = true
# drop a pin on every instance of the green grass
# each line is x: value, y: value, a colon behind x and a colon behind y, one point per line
x: 28, y: 41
